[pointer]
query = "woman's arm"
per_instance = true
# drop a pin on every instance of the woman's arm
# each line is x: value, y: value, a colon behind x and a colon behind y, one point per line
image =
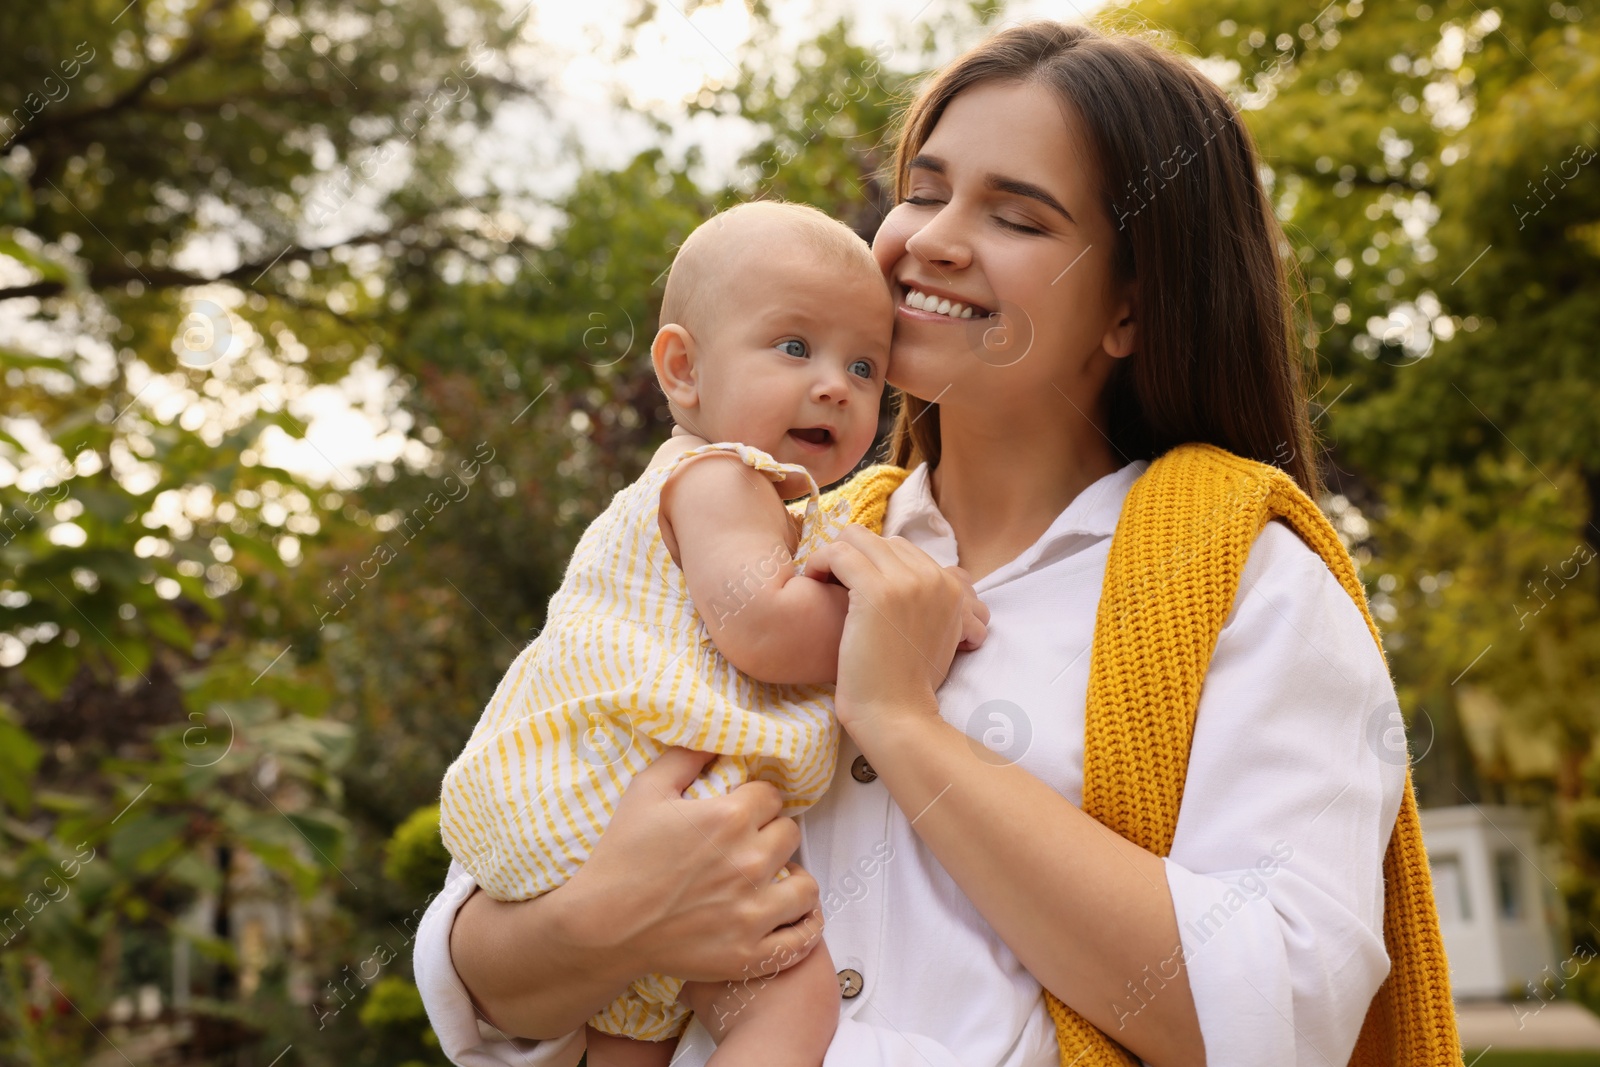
x: 1259, y: 940
x: 1083, y: 908
x: 1295, y: 779
x: 675, y: 886
x: 450, y: 1010
x: 575, y: 975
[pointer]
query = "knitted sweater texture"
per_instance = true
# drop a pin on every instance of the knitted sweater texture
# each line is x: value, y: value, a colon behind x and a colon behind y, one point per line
x: 1176, y: 557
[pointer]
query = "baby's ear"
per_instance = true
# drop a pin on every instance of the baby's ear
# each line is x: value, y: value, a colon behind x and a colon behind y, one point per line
x: 672, y: 353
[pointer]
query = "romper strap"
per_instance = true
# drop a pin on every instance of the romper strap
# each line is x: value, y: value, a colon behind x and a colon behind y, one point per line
x: 814, y: 523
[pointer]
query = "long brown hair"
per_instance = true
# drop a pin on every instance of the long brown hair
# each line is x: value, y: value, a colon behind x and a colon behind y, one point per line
x: 1218, y: 358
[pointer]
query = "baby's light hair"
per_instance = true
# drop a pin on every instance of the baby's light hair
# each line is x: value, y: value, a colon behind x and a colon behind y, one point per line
x: 705, y: 270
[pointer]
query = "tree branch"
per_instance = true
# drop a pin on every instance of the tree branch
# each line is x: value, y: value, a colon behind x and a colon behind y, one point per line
x: 111, y: 275
x: 108, y: 275
x: 194, y: 49
x: 39, y: 289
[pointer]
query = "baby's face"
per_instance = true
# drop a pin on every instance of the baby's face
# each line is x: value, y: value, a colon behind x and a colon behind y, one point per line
x: 795, y: 364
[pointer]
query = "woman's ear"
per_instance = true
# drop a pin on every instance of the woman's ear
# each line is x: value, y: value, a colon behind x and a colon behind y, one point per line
x: 672, y: 354
x: 1122, y: 339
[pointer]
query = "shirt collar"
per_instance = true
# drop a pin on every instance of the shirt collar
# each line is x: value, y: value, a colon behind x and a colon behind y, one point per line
x: 1093, y: 512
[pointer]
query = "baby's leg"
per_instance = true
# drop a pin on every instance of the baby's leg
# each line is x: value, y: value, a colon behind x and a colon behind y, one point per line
x: 613, y: 1050
x: 784, y: 1021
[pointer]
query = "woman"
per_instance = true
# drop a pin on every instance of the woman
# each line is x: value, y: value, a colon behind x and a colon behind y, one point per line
x: 1104, y: 199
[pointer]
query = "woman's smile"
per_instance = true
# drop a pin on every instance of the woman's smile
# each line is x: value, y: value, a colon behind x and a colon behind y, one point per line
x: 921, y: 303
x: 997, y: 228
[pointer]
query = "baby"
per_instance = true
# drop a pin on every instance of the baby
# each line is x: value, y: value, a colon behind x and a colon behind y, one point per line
x: 684, y: 618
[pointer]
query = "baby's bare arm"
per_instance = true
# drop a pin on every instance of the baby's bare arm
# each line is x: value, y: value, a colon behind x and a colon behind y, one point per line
x: 734, y: 541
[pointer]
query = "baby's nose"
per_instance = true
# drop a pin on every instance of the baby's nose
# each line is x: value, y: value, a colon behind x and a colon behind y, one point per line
x: 832, y: 385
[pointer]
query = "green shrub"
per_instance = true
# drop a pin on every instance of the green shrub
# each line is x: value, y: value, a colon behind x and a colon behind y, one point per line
x: 393, y: 1002
x: 415, y: 856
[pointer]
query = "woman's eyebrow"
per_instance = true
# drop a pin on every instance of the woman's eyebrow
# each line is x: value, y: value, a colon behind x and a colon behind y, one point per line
x: 999, y: 183
x: 1028, y: 189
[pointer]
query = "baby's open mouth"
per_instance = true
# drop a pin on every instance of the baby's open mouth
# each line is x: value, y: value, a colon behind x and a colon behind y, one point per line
x: 814, y: 435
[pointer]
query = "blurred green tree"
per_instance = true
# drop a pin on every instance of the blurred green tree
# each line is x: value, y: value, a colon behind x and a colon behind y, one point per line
x: 1434, y: 167
x: 213, y: 666
x: 197, y: 202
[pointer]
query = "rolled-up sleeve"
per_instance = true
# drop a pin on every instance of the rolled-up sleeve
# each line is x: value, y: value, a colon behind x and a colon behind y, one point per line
x: 1294, y: 784
x: 465, y: 1039
x: 470, y: 1042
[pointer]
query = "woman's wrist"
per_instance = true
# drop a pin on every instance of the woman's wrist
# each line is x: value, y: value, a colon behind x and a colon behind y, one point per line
x: 586, y: 928
x: 879, y: 727
x: 875, y: 723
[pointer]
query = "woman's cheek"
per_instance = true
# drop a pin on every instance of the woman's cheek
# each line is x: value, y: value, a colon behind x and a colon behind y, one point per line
x: 890, y: 242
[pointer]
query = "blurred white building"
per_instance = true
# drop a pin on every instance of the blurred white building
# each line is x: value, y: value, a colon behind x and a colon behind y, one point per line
x: 1497, y: 912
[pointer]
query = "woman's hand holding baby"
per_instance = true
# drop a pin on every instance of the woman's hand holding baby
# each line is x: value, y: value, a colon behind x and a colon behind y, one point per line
x: 685, y: 887
x: 908, y: 617
x: 675, y: 886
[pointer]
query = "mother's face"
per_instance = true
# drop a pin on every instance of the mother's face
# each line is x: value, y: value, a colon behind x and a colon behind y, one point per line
x: 1003, y: 214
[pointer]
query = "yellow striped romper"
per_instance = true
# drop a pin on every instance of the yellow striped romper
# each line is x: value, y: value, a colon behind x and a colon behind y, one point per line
x: 624, y: 668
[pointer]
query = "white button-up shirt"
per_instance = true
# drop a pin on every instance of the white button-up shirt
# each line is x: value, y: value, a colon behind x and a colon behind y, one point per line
x: 1293, y: 787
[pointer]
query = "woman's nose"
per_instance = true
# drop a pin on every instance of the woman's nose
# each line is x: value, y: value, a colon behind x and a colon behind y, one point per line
x: 941, y: 241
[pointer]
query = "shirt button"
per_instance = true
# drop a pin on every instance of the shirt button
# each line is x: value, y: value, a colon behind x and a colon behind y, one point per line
x: 862, y: 771
x: 850, y: 983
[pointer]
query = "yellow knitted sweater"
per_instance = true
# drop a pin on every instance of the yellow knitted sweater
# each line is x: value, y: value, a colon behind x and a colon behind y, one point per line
x: 1180, y: 545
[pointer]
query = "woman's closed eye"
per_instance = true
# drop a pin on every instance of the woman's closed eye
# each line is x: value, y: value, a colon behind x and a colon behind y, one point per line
x: 1017, y: 227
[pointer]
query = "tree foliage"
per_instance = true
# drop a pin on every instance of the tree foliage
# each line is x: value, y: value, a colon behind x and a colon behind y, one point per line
x: 1435, y: 168
x: 231, y: 680
x: 226, y: 682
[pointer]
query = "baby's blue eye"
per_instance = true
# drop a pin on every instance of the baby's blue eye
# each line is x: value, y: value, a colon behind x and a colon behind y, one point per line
x: 794, y: 347
x: 865, y: 366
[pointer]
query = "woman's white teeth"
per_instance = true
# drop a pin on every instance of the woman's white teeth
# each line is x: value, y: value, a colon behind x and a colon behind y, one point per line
x: 939, y: 305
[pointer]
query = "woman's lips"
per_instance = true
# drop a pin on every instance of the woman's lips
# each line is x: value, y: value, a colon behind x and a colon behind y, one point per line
x: 901, y: 308
x: 918, y: 315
